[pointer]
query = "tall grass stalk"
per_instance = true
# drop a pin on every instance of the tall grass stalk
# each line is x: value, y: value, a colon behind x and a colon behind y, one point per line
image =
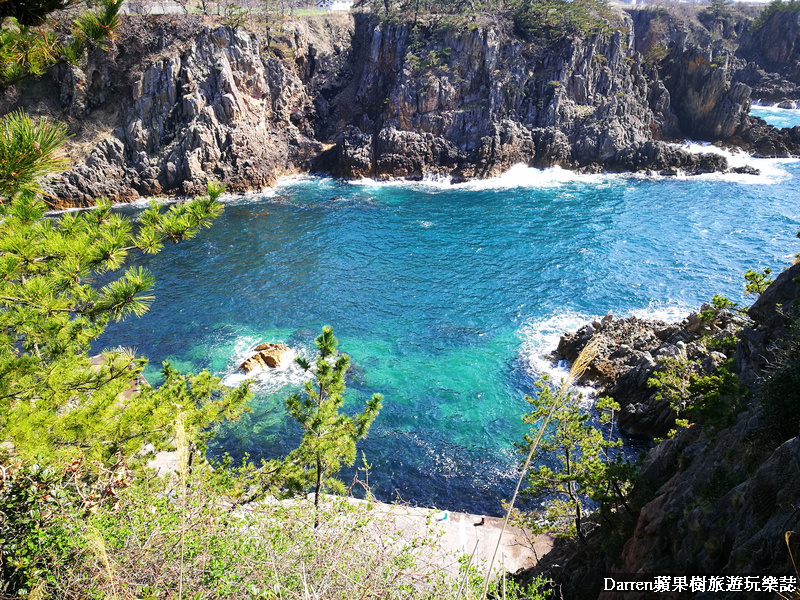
x: 579, y: 367
x: 796, y: 593
x: 98, y: 546
x: 182, y: 447
x: 466, y: 571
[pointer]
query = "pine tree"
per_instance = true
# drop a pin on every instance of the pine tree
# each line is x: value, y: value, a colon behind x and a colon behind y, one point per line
x: 329, y: 437
x: 578, y: 466
x: 29, y: 44
x: 57, y: 403
x: 32, y: 12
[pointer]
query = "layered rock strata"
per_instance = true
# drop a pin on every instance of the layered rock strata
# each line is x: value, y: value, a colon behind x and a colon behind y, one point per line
x: 176, y: 102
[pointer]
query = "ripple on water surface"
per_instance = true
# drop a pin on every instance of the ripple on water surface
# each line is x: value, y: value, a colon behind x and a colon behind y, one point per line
x: 448, y: 298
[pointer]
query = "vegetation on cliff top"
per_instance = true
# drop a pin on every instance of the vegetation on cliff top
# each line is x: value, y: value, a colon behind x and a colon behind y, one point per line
x: 534, y: 19
x: 776, y: 6
x: 29, y: 44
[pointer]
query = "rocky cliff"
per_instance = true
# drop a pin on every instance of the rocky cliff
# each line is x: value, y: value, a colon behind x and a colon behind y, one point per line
x: 771, y: 52
x: 175, y: 102
x: 720, y: 496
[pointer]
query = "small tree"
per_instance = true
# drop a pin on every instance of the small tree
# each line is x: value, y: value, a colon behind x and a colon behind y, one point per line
x: 69, y: 422
x: 719, y: 8
x: 757, y: 282
x: 32, y: 12
x: 583, y: 465
x: 329, y: 437
x: 29, y: 45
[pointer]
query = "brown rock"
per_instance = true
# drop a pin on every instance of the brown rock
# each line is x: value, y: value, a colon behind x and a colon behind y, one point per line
x: 268, y: 355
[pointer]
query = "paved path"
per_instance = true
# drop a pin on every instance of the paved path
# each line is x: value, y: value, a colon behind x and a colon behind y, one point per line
x: 152, y: 7
x: 456, y: 534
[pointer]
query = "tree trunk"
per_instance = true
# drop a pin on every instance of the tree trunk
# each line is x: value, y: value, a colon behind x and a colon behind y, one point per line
x: 316, y: 493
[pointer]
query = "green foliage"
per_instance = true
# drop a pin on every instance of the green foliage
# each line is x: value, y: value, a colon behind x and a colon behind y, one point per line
x: 555, y: 19
x: 56, y: 402
x: 757, y: 282
x: 269, y: 551
x: 422, y: 58
x: 29, y: 150
x: 718, y: 304
x: 719, y: 397
x: 672, y: 382
x: 776, y: 6
x: 98, y: 27
x: 719, y: 8
x: 713, y: 400
x: 584, y: 468
x: 29, y: 52
x: 32, y: 500
x: 464, y: 10
x: 329, y: 437
x: 234, y: 16
x: 67, y: 421
x: 32, y: 13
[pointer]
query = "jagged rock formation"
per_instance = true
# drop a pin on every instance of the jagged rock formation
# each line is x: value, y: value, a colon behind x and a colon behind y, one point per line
x: 773, y: 70
x: 194, y: 108
x: 472, y: 104
x: 714, y: 501
x: 176, y: 102
x: 629, y: 355
x: 267, y: 355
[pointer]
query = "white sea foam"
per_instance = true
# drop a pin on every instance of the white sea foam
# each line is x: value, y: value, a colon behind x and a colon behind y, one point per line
x: 772, y: 106
x: 523, y: 176
x: 267, y: 380
x: 518, y: 176
x: 540, y: 338
x: 770, y: 169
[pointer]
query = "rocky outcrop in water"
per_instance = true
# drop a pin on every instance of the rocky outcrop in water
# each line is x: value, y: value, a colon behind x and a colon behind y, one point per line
x: 632, y: 350
x: 267, y: 355
x: 719, y: 500
x: 771, y: 52
x: 714, y: 64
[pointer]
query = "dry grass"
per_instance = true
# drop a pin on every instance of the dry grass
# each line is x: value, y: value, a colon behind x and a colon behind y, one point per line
x: 169, y: 543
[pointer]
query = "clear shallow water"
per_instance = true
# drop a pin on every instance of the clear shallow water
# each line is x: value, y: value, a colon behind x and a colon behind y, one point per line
x: 447, y: 298
x: 777, y: 117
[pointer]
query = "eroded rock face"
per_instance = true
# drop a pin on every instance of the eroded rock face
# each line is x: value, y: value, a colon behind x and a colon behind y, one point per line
x: 268, y: 355
x: 211, y: 107
x: 708, y: 103
x: 629, y: 355
x: 175, y: 103
x: 773, y: 314
x: 474, y: 103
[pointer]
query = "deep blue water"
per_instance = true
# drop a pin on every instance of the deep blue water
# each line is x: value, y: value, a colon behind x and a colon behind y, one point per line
x: 447, y: 298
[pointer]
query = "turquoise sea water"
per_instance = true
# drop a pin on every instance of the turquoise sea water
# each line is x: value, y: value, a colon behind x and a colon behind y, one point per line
x: 778, y: 117
x: 447, y: 298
